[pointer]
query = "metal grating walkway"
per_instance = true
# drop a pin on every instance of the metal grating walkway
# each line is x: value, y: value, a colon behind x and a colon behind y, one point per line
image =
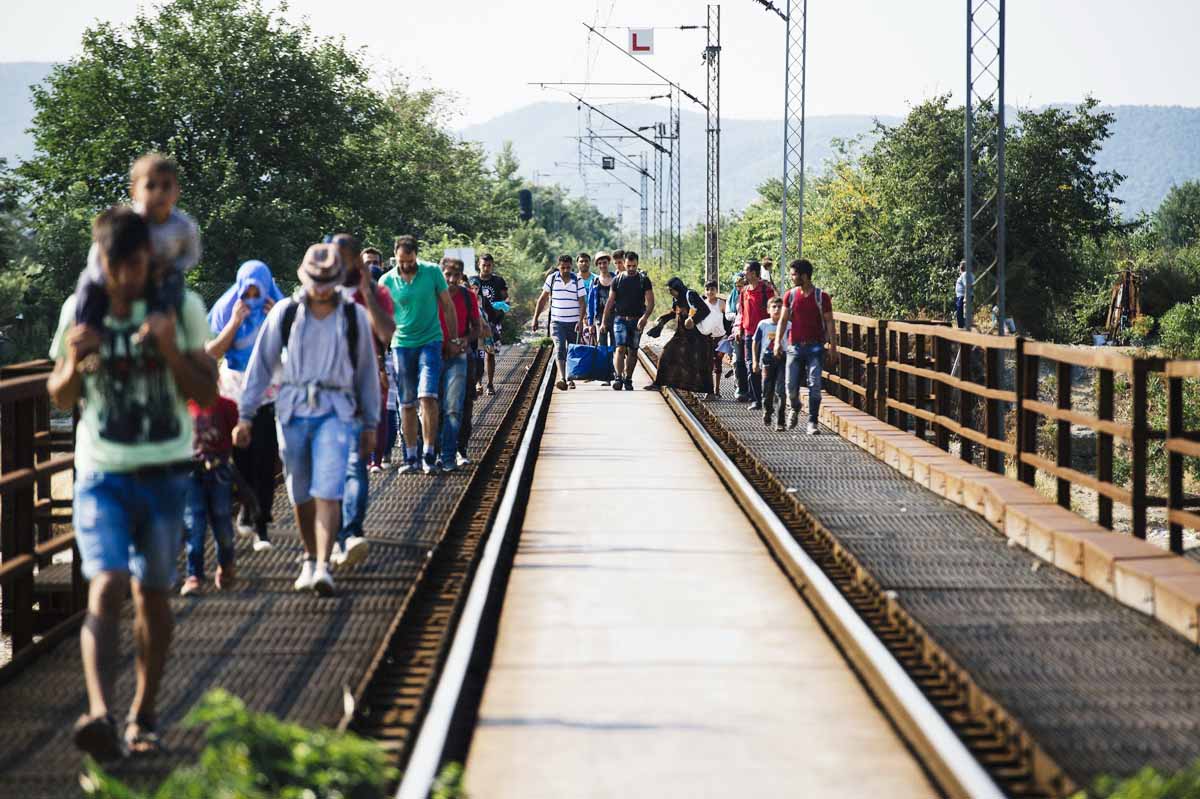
x: 1102, y: 688
x: 288, y: 654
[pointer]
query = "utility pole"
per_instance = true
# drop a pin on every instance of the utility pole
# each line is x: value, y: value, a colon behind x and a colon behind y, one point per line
x: 644, y: 208
x: 983, y: 158
x: 712, y: 194
x: 795, y: 57
x: 676, y: 229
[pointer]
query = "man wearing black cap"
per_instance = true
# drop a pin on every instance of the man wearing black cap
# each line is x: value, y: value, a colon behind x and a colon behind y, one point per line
x: 330, y: 388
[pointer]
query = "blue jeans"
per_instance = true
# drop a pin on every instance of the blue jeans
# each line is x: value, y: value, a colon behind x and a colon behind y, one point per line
x: 418, y: 372
x: 132, y: 523
x: 454, y: 391
x: 354, y: 499
x: 314, y: 450
x: 809, y: 358
x: 563, y: 334
x: 960, y: 309
x: 753, y: 378
x: 626, y: 333
x: 209, y: 503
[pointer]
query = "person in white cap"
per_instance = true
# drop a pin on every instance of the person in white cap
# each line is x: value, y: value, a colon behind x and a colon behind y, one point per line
x: 330, y: 388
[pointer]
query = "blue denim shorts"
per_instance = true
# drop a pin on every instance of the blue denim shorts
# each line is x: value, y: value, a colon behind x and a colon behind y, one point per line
x: 626, y: 333
x: 418, y: 372
x: 314, y: 451
x: 126, y: 522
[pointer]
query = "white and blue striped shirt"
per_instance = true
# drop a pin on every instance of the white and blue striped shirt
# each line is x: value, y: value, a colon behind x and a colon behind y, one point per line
x: 564, y: 297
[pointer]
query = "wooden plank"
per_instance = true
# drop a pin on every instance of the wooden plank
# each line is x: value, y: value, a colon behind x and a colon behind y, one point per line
x: 1123, y: 431
x: 1182, y: 368
x: 956, y: 335
x: 1184, y: 518
x: 18, y: 389
x: 1079, y: 478
x: 1184, y: 446
x: 1087, y: 357
x: 954, y: 382
x: 865, y: 321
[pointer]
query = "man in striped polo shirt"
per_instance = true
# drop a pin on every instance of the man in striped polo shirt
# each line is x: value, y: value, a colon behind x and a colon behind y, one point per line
x: 566, y: 294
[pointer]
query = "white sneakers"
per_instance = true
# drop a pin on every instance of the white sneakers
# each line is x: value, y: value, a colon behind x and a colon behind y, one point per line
x: 812, y: 429
x: 305, y: 581
x: 315, y: 577
x: 261, y: 545
x: 354, y: 553
x: 462, y: 460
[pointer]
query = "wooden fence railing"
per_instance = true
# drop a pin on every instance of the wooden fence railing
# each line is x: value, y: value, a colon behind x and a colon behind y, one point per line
x: 31, y: 453
x: 986, y: 395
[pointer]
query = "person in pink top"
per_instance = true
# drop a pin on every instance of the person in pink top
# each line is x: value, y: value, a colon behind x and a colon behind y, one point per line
x: 752, y: 309
x: 810, y: 312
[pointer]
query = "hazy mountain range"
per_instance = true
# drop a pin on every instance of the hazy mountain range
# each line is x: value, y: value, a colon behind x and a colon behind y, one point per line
x: 1155, y: 147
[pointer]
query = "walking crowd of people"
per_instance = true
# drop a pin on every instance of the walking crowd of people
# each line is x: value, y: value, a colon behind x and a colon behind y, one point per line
x: 183, y: 408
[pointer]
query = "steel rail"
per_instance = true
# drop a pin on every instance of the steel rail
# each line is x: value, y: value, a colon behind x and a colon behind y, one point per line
x: 938, y: 747
x: 426, y: 759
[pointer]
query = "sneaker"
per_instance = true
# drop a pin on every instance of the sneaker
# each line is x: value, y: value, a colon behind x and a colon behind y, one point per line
x: 561, y: 385
x: 462, y: 460
x: 767, y: 416
x: 491, y: 390
x: 446, y: 466
x: 191, y: 585
x: 618, y: 385
x: 226, y: 577
x: 305, y: 581
x: 756, y: 406
x: 780, y: 427
x: 629, y: 384
x: 709, y: 397
x: 244, y: 525
x: 409, y: 465
x: 793, y: 420
x: 385, y: 464
x: 812, y: 429
x: 570, y: 384
x: 338, y: 556
x: 322, y: 581
x: 354, y: 551
x: 742, y: 397
x: 429, y: 464
x: 261, y: 545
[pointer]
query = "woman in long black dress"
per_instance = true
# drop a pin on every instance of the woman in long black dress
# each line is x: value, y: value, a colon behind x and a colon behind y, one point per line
x: 686, y: 360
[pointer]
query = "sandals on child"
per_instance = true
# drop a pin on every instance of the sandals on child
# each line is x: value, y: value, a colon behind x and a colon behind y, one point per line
x: 97, y: 736
x: 141, y: 736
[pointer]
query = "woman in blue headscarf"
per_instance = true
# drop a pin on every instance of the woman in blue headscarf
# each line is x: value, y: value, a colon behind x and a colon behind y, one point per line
x: 236, y: 320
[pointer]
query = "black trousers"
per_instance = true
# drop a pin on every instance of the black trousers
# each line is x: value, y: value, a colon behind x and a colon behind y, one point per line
x: 257, y: 463
x: 474, y: 370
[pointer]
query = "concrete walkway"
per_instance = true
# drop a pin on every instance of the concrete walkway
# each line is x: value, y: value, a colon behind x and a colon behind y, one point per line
x: 650, y: 646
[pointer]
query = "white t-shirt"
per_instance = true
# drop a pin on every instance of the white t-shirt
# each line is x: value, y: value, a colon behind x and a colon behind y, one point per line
x: 564, y: 297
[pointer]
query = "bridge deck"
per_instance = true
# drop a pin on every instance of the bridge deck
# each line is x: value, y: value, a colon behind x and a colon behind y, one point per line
x: 649, y: 644
x: 1103, y: 688
x: 292, y: 655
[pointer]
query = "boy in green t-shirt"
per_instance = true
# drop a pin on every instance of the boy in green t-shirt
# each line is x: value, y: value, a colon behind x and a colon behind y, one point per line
x: 132, y: 457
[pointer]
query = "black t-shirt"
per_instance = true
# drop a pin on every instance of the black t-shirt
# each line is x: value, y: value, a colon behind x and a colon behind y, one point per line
x: 630, y: 293
x: 493, y: 288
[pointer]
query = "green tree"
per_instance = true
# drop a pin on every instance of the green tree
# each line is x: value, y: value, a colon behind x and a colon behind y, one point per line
x: 1177, y: 220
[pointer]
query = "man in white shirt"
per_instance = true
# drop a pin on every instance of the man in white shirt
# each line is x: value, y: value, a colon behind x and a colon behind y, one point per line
x: 564, y: 290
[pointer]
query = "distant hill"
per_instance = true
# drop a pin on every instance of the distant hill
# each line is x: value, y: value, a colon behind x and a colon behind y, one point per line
x: 1154, y: 147
x: 16, y: 109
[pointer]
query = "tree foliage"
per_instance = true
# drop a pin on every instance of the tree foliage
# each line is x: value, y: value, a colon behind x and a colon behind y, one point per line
x: 1177, y: 220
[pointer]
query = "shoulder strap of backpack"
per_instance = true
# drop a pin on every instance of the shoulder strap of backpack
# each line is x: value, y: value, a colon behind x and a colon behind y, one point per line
x: 351, y: 320
x: 289, y: 318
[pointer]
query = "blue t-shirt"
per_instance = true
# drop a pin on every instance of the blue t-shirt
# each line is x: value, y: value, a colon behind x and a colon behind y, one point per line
x: 764, y: 339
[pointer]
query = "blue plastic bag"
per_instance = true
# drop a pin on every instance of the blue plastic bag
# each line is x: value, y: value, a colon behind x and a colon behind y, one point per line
x: 585, y: 362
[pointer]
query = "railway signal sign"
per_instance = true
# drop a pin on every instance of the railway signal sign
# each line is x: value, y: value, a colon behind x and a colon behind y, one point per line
x: 608, y: 162
x: 641, y: 41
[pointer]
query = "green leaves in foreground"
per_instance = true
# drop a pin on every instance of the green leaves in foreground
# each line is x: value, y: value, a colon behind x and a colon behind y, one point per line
x: 256, y: 756
x: 1148, y: 784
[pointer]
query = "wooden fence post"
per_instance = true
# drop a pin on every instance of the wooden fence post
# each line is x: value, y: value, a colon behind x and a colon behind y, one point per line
x: 881, y: 372
x: 1141, y: 368
x: 1174, y: 460
x: 1104, y: 446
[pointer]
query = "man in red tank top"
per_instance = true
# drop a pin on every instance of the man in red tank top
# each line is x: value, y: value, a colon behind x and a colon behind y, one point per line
x: 810, y: 312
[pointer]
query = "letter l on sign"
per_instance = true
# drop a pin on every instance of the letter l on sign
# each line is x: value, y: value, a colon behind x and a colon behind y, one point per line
x: 641, y: 41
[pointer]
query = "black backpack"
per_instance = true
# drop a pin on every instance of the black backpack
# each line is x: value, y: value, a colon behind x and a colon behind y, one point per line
x: 289, y: 318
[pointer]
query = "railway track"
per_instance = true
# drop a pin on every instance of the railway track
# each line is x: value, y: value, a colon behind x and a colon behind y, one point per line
x: 1013, y: 762
x: 406, y: 669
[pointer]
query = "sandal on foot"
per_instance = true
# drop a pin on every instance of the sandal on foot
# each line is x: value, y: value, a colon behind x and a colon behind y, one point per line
x: 97, y: 736
x: 141, y: 736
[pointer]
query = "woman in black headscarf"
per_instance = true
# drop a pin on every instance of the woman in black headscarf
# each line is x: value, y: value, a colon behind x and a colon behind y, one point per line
x: 686, y: 360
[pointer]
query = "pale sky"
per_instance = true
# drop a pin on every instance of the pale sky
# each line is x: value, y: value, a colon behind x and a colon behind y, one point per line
x: 865, y: 56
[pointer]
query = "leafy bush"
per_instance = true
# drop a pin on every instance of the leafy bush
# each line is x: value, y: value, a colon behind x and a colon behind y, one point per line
x: 256, y: 756
x: 1179, y: 330
x: 1148, y: 784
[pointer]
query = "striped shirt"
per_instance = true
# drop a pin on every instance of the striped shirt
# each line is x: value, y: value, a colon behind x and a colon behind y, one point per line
x: 564, y: 297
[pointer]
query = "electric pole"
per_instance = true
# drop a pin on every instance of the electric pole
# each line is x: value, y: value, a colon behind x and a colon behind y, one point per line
x: 712, y: 194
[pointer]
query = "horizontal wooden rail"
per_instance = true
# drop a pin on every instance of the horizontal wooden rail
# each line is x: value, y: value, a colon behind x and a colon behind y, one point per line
x: 954, y: 334
x: 954, y: 382
x: 1118, y: 429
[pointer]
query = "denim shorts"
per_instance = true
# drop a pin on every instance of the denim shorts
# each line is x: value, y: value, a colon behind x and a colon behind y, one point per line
x: 126, y: 522
x: 626, y: 333
x: 314, y: 451
x: 418, y: 372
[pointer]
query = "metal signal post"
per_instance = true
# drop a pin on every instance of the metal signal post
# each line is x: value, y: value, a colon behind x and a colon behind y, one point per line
x: 795, y: 58
x: 983, y: 159
x: 712, y: 194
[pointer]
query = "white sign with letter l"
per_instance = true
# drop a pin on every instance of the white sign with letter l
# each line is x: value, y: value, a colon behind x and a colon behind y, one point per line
x: 641, y: 41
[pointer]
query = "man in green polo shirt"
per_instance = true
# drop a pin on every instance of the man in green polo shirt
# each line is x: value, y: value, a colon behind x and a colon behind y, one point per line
x: 418, y: 290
